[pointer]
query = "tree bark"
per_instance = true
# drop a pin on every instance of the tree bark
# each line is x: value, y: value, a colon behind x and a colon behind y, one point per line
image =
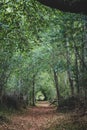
x: 57, y: 86
x: 33, y: 91
x: 85, y: 54
x: 73, y: 6
x: 77, y: 70
x: 1, y: 93
x: 69, y: 72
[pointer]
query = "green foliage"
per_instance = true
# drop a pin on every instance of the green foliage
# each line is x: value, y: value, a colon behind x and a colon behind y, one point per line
x: 34, y: 41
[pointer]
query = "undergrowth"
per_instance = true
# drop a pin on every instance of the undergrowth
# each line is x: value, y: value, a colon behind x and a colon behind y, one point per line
x: 69, y: 126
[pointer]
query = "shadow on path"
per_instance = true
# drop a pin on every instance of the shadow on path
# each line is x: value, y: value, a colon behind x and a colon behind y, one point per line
x: 34, y: 118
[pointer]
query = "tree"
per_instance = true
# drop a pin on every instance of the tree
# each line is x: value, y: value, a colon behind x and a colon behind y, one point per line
x: 37, y: 42
x: 73, y: 6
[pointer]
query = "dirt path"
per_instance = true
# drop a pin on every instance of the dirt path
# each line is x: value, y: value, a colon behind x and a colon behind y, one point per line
x: 34, y: 118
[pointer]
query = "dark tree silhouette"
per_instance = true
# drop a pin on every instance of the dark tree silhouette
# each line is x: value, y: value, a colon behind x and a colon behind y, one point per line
x: 73, y: 6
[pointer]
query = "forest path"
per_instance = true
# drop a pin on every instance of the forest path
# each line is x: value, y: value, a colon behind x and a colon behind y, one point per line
x: 39, y: 117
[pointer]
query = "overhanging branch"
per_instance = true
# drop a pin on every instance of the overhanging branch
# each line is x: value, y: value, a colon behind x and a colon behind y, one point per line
x: 73, y: 6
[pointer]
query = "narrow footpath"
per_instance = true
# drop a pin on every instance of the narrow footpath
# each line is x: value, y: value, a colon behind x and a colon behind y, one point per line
x: 39, y: 117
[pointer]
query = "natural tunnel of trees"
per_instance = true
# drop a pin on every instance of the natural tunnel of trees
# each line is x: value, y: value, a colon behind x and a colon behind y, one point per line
x: 43, y: 53
x: 42, y: 49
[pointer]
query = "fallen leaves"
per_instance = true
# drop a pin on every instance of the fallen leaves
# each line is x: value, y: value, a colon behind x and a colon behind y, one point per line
x: 41, y: 117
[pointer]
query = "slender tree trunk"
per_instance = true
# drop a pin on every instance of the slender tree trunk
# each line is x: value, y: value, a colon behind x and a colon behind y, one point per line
x: 68, y: 70
x: 33, y: 91
x: 85, y: 52
x: 77, y: 70
x: 2, y: 88
x: 71, y: 82
x: 57, y: 86
x: 82, y: 60
x: 1, y: 93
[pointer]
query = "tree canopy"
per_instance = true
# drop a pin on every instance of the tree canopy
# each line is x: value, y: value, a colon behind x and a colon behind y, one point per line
x: 42, y: 50
x: 73, y: 6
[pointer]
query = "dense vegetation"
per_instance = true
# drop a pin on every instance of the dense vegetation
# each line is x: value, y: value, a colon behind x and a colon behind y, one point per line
x: 43, y: 53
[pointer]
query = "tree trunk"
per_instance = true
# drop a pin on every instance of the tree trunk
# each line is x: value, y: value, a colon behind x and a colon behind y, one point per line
x: 33, y: 91
x: 76, y: 70
x: 57, y: 86
x: 1, y: 93
x: 85, y: 54
x: 68, y: 70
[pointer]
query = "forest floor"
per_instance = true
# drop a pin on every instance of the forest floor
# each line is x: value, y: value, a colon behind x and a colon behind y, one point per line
x: 43, y: 117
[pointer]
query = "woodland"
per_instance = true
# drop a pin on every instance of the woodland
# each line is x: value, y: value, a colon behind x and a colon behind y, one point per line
x: 43, y: 65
